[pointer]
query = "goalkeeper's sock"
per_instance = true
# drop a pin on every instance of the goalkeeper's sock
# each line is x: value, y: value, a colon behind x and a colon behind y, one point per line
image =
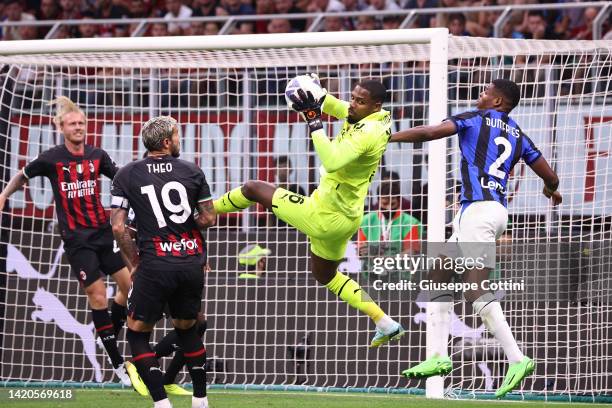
x: 494, y: 320
x: 350, y: 291
x: 195, y: 358
x: 146, y: 363
x: 232, y: 201
x: 438, y: 326
x: 118, y: 316
x: 386, y: 324
x: 104, y: 328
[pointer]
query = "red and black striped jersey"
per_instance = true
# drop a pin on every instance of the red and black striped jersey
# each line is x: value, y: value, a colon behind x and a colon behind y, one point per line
x: 163, y: 192
x: 76, y: 189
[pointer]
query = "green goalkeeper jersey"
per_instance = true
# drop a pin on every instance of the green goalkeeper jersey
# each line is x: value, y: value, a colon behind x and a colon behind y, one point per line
x: 350, y: 160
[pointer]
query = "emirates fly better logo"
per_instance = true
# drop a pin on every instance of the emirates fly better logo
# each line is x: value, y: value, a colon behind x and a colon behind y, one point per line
x: 79, y: 188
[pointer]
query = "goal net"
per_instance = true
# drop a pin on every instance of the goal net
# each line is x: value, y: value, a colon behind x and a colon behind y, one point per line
x: 283, y: 328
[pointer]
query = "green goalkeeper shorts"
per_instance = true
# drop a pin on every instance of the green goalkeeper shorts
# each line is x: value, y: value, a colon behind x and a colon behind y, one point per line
x: 328, y: 231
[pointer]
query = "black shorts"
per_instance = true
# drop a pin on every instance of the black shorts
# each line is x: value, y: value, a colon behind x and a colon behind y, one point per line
x: 92, y: 261
x: 179, y: 287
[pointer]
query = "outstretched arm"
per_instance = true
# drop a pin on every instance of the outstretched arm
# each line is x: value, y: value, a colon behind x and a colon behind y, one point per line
x: 129, y: 252
x: 14, y: 184
x: 551, y: 181
x: 425, y: 133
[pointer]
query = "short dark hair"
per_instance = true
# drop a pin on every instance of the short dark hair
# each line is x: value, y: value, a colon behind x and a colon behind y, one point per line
x: 389, y: 188
x: 378, y: 92
x: 389, y: 175
x: 509, y: 90
x: 457, y: 16
x: 282, y: 160
x: 391, y: 19
x: 535, y: 13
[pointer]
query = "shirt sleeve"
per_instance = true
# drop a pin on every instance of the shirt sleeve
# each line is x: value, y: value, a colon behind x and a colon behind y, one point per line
x: 108, y: 166
x: 204, y: 189
x: 530, y: 152
x: 119, y: 189
x: 466, y: 120
x: 337, y: 153
x: 335, y: 107
x: 41, y: 166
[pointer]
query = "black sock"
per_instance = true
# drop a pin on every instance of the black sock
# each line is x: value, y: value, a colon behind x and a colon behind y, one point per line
x: 104, y: 328
x: 195, y: 358
x: 146, y: 363
x: 167, y: 345
x: 202, y: 325
x: 177, y: 363
x: 118, y: 316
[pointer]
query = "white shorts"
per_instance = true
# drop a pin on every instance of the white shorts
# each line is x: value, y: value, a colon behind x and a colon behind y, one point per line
x: 479, y: 222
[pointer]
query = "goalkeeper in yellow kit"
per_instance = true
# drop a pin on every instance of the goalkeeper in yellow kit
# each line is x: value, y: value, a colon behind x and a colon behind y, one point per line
x: 332, y: 214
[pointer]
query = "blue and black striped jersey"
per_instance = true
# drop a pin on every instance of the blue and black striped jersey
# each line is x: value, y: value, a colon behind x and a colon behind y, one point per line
x: 491, y: 144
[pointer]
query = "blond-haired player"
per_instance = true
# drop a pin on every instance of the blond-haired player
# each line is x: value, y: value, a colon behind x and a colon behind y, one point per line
x: 74, y: 169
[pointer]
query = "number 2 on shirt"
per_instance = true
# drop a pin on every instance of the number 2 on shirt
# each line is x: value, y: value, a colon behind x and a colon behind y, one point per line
x: 494, y: 168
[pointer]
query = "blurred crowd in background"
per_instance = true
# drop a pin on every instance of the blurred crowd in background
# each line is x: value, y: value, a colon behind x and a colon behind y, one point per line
x: 565, y: 24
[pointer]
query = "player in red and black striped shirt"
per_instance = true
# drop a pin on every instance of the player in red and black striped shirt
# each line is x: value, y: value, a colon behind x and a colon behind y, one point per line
x: 167, y: 263
x: 74, y: 169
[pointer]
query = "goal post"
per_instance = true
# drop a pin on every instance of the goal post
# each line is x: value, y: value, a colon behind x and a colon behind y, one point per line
x: 436, y: 171
x: 283, y: 329
x: 226, y: 42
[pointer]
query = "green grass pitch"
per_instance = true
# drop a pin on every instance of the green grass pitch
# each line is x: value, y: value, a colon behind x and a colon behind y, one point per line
x: 94, y: 398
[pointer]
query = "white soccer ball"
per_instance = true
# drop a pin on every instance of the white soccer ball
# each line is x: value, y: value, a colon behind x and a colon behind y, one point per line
x: 309, y: 82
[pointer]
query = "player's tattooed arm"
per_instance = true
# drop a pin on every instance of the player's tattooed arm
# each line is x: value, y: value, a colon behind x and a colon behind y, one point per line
x: 207, y: 216
x: 129, y: 252
x: 425, y: 133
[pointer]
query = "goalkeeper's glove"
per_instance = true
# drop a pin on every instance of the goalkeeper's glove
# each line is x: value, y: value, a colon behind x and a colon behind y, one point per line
x: 309, y: 108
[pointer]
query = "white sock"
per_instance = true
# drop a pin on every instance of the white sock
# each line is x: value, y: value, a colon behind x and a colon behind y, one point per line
x: 438, y: 328
x: 199, y: 402
x: 165, y: 403
x: 386, y: 324
x: 494, y: 320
